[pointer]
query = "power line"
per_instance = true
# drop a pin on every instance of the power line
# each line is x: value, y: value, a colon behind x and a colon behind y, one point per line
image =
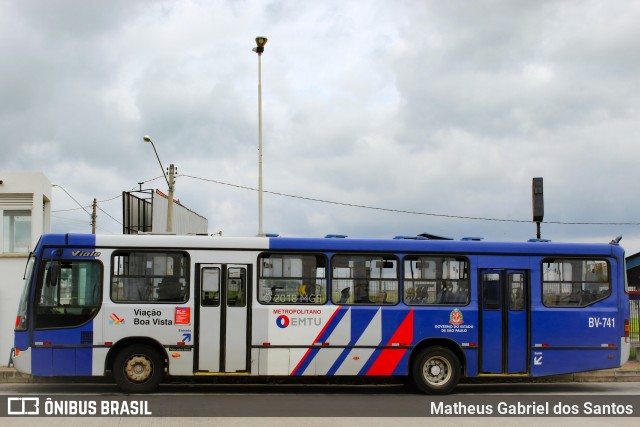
x: 104, y: 212
x: 75, y: 220
x: 88, y: 206
x: 353, y: 205
x: 83, y: 208
x: 61, y: 219
x: 72, y: 198
x: 71, y: 209
x: 106, y: 200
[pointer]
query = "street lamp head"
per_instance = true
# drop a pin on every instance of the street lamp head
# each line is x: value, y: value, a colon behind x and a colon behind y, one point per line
x: 147, y: 139
x: 260, y: 41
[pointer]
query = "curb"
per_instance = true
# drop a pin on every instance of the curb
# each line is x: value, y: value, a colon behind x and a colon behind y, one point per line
x: 609, y: 375
x: 10, y: 375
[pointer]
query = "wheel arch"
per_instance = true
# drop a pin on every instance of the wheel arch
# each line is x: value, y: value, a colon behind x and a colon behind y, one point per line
x: 438, y: 342
x: 126, y: 342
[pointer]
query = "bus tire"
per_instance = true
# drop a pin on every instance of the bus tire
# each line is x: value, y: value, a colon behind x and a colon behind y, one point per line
x: 138, y: 369
x: 436, y: 370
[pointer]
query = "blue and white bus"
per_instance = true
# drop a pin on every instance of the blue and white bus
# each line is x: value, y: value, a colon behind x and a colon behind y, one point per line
x: 145, y: 307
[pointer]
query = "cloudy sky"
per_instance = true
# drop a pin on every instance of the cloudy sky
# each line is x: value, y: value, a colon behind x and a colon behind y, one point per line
x: 431, y: 107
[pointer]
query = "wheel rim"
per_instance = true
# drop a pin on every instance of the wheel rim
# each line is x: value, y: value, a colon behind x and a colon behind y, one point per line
x: 437, y: 371
x: 138, y: 368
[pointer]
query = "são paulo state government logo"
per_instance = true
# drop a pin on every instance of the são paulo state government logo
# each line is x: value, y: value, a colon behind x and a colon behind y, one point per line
x: 455, y: 317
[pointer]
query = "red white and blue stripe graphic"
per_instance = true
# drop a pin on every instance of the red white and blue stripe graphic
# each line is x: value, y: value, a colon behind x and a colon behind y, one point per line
x: 354, y: 342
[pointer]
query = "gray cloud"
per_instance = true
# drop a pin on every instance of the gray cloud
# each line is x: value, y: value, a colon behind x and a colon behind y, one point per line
x: 442, y: 107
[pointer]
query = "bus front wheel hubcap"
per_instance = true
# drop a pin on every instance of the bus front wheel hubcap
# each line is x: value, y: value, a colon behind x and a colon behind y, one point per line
x: 138, y: 368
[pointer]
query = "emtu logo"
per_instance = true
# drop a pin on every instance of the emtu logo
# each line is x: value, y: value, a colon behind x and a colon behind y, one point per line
x: 282, y: 321
x: 115, y: 320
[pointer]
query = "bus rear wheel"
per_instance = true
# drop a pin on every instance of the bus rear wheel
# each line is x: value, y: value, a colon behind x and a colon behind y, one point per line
x: 138, y: 369
x: 436, y: 370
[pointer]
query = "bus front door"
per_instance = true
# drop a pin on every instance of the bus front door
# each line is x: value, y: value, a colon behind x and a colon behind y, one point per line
x: 504, y: 337
x: 222, y: 323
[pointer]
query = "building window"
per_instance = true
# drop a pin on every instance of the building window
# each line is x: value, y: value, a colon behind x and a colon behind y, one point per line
x: 16, y: 231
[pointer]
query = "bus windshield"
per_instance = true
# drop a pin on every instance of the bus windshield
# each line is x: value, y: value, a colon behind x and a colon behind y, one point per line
x: 70, y: 297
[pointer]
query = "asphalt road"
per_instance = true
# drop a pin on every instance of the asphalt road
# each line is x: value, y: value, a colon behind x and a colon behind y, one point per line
x: 240, y: 390
x: 337, y: 405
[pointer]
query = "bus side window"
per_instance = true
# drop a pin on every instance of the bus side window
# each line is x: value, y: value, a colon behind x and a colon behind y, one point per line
x: 364, y: 279
x: 431, y: 279
x: 170, y: 289
x: 150, y: 276
x: 574, y: 282
x: 292, y: 278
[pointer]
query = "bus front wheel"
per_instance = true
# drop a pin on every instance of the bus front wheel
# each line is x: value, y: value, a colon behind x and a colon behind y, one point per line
x: 436, y: 370
x: 138, y: 369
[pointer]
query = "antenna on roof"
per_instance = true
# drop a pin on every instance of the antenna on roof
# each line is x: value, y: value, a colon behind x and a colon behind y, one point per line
x: 433, y: 236
x: 616, y: 240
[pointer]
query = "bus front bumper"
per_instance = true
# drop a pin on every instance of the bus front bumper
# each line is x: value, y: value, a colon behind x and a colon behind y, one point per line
x: 21, y: 360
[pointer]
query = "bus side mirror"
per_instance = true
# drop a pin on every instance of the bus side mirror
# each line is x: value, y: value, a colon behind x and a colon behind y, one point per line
x: 53, y: 273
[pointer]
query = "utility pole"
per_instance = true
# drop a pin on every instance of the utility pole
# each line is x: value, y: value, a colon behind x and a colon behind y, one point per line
x: 94, y: 217
x: 172, y: 171
x: 170, y: 183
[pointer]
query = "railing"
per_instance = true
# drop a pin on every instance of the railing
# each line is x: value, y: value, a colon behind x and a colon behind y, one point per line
x: 634, y: 318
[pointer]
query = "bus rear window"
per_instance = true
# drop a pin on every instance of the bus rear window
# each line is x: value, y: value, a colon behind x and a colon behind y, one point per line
x: 574, y: 282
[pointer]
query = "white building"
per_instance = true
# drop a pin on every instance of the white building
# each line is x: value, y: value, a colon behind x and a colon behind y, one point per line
x: 147, y: 213
x: 25, y: 209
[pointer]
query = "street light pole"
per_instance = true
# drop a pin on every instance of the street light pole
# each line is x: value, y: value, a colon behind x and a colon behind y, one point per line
x: 260, y: 42
x: 170, y: 183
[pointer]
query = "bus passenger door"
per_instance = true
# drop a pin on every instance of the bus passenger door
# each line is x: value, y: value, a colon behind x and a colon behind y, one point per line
x: 504, y: 332
x: 222, y: 332
x: 517, y: 329
x: 235, y: 325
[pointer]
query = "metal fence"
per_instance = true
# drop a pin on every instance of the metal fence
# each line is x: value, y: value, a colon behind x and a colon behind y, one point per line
x: 634, y: 318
